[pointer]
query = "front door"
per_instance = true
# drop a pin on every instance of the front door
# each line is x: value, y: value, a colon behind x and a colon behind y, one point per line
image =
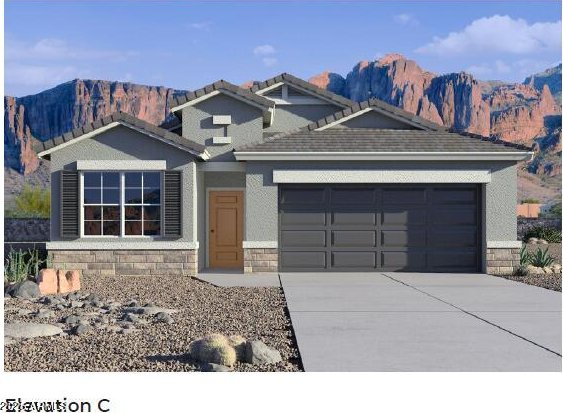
x: 225, y: 229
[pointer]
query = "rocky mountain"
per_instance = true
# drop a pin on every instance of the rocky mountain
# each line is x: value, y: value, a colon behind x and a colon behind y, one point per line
x: 550, y: 77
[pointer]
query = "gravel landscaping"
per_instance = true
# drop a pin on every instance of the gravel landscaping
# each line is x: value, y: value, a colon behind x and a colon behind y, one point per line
x: 145, y: 324
x: 549, y: 281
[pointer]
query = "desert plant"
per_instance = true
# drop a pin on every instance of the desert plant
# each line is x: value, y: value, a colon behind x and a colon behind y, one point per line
x: 214, y: 348
x: 530, y: 201
x: 550, y: 234
x: 19, y: 265
x: 33, y: 201
x: 541, y: 258
x: 525, y: 256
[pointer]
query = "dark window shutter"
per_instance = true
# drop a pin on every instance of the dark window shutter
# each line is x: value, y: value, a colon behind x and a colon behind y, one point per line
x: 69, y: 213
x: 172, y: 222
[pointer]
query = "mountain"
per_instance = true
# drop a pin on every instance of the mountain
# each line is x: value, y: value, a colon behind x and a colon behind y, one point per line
x: 523, y: 112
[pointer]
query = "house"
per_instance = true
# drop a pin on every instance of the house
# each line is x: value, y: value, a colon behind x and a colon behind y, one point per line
x: 283, y: 176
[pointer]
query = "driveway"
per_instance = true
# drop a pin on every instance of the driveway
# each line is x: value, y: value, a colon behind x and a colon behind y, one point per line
x: 422, y: 322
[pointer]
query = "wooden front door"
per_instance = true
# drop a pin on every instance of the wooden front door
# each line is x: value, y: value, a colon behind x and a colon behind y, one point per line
x: 225, y: 229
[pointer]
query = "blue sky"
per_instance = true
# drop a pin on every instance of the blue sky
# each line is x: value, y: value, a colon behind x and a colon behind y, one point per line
x: 186, y: 45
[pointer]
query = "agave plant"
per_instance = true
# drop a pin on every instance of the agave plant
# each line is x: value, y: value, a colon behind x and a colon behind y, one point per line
x: 525, y: 256
x: 541, y: 258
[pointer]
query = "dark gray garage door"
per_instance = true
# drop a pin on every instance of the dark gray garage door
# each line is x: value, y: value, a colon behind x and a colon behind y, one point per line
x: 433, y: 228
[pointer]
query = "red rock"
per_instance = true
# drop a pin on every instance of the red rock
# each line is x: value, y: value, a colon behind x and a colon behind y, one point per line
x: 63, y: 284
x: 47, y: 281
x: 68, y: 281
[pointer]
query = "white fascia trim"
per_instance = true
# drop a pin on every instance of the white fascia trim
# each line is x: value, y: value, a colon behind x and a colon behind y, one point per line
x: 135, y: 165
x: 381, y: 176
x: 122, y: 245
x: 259, y: 244
x: 267, y: 89
x: 223, y: 167
x: 215, y: 93
x: 299, y: 100
x: 383, y: 156
x: 345, y: 119
x: 504, y: 244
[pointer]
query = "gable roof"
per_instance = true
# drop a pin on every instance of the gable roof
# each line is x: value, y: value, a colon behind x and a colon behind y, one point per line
x: 302, y: 84
x: 220, y: 86
x: 44, y: 149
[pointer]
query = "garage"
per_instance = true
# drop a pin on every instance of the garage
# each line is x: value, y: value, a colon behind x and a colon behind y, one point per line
x: 384, y: 227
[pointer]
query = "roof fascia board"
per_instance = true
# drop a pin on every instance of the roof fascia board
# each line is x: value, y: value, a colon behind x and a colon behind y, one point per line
x: 215, y: 93
x: 345, y: 119
x: 268, y: 88
x: 80, y: 138
x: 383, y: 156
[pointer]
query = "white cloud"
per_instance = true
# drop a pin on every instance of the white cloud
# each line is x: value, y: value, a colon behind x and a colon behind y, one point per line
x: 497, y: 34
x: 204, y: 26
x: 270, y: 61
x: 405, y: 19
x: 265, y: 49
x: 40, y: 75
x: 499, y: 69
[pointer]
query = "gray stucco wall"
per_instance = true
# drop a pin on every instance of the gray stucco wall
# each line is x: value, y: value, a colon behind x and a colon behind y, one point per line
x: 246, y: 126
x: 374, y: 120
x: 290, y: 117
x: 121, y: 143
x: 499, y: 196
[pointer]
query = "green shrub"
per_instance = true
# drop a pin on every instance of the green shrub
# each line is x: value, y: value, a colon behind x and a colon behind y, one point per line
x: 32, y: 202
x: 530, y: 201
x: 19, y: 265
x: 553, y: 212
x: 551, y: 235
x: 525, y: 256
x: 541, y: 258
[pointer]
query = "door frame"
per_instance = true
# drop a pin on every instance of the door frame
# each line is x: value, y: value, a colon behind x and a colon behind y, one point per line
x: 219, y: 189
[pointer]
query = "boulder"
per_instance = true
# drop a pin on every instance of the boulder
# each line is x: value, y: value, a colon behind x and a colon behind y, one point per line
x: 239, y: 344
x: 532, y: 270
x: 215, y: 368
x: 163, y: 317
x: 542, y: 242
x: 44, y: 313
x: 47, y: 281
x: 30, y: 330
x: 72, y: 319
x: 24, y: 312
x: 214, y: 348
x: 547, y: 270
x: 80, y: 329
x: 24, y: 289
x: 69, y: 281
x: 259, y: 353
x: 532, y: 240
x: 556, y: 268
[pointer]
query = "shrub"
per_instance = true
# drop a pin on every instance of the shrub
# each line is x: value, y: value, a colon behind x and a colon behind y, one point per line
x: 19, y: 265
x: 551, y: 235
x: 553, y: 212
x: 32, y: 202
x: 530, y: 201
x: 541, y: 258
x: 525, y: 256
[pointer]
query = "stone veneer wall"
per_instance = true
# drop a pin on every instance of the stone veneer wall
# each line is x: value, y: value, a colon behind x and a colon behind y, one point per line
x: 260, y: 260
x: 502, y: 261
x: 127, y: 262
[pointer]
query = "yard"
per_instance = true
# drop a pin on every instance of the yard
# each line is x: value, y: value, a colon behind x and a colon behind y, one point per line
x: 109, y: 344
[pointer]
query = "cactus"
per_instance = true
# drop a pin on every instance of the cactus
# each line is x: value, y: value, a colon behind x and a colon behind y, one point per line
x: 214, y: 348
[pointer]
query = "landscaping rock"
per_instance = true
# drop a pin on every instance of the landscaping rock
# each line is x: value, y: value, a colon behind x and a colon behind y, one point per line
x: 47, y: 281
x: 215, y: 368
x: 132, y: 318
x: 69, y: 281
x: 547, y: 270
x: 60, y: 307
x: 132, y: 303
x: 72, y: 319
x: 80, y: 329
x: 532, y: 240
x: 239, y: 344
x: 8, y: 341
x: 76, y: 304
x: 556, y: 268
x: 542, y: 242
x: 24, y: 312
x: 531, y: 270
x: 214, y: 348
x: 259, y: 353
x: 30, y: 330
x: 25, y: 289
x: 163, y: 317
x: 149, y: 310
x: 44, y: 313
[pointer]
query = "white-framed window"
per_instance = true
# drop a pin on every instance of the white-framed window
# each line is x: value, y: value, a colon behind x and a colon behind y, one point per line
x: 121, y: 204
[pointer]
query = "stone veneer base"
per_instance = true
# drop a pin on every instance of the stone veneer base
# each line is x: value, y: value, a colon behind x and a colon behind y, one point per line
x: 260, y: 260
x: 126, y: 262
x: 502, y: 261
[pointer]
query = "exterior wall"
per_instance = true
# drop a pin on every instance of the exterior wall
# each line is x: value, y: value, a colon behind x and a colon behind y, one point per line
x: 121, y: 143
x: 374, y: 120
x: 257, y: 260
x: 290, y: 117
x: 127, y: 262
x: 246, y: 127
x: 502, y: 261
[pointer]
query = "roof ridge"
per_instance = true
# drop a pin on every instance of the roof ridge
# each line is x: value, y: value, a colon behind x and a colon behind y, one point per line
x: 493, y: 140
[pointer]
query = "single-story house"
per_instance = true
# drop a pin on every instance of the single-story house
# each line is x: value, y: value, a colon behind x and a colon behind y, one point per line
x: 283, y: 176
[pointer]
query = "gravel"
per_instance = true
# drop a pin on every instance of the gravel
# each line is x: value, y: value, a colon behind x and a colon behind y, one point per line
x: 116, y: 345
x: 549, y: 281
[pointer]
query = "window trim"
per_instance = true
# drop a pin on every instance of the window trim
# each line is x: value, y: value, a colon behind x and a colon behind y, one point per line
x: 121, y: 206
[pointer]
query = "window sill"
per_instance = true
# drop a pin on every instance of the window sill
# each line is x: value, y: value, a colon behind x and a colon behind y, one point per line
x: 118, y: 243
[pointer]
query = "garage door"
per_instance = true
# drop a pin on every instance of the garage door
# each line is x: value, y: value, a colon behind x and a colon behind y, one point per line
x: 434, y: 228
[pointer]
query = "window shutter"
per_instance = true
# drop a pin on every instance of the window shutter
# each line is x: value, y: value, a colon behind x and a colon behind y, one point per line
x: 69, y: 214
x: 172, y: 222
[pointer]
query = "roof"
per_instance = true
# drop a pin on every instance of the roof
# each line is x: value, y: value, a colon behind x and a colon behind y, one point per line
x: 381, y: 107
x: 380, y: 141
x: 128, y: 121
x: 219, y: 86
x: 300, y: 83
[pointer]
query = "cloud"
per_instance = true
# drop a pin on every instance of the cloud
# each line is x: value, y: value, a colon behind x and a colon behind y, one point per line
x: 499, y: 69
x: 405, y: 19
x: 497, y: 34
x: 204, y: 26
x: 41, y: 75
x: 263, y: 50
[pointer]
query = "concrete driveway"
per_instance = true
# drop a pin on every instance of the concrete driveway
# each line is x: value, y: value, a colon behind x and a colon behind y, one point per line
x: 422, y: 322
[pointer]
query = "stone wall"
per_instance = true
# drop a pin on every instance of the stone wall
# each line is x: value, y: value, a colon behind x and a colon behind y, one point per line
x: 127, y: 262
x: 258, y: 260
x: 502, y: 261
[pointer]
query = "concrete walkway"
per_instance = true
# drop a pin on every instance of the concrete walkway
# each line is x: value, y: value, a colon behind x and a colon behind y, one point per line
x: 423, y: 322
x: 237, y: 279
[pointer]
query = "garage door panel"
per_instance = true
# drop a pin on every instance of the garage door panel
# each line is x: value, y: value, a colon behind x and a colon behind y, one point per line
x: 304, y: 196
x: 352, y: 196
x: 391, y: 196
x: 353, y: 218
x: 301, y: 260
x: 357, y: 259
x: 353, y: 238
x: 452, y: 237
x: 409, y: 238
x: 408, y: 259
x: 303, y: 238
x: 452, y: 258
x: 303, y: 218
x: 397, y: 216
x: 454, y: 196
x: 453, y: 216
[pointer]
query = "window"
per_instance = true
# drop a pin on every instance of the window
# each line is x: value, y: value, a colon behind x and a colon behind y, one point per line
x: 121, y: 203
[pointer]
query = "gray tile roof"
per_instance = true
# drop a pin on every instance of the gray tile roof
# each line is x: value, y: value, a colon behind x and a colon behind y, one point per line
x: 223, y: 85
x: 292, y: 80
x: 123, y: 117
x: 379, y: 140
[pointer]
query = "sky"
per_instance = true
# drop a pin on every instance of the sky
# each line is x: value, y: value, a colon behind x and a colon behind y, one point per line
x: 186, y: 45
